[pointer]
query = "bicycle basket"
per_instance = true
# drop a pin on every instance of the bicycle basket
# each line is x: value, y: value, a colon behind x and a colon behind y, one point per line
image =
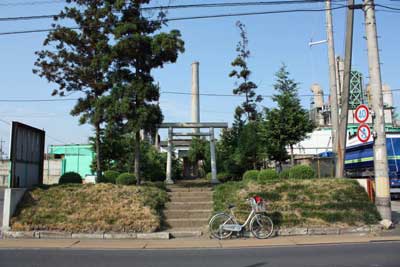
x: 257, y: 204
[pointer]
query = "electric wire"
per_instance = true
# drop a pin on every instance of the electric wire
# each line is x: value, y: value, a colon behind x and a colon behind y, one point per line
x: 164, y: 92
x: 196, y: 17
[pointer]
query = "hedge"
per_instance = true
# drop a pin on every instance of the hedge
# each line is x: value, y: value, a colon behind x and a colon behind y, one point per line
x: 70, y: 178
x: 126, y: 179
x: 109, y: 177
x: 301, y: 172
x: 266, y: 175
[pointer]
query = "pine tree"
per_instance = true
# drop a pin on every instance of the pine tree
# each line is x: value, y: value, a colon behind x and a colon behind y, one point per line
x: 242, y: 74
x: 79, y: 60
x: 139, y: 49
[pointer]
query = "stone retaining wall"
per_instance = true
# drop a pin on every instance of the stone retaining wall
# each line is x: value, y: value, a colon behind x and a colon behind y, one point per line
x: 166, y: 235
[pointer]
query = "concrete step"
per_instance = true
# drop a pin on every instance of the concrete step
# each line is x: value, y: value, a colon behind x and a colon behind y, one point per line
x: 174, y: 198
x: 191, y: 193
x: 189, y: 214
x: 182, y: 223
x: 203, y: 205
x: 189, y: 189
x: 185, y: 232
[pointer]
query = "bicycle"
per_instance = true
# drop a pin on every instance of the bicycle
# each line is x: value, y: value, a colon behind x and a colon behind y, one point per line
x: 222, y: 225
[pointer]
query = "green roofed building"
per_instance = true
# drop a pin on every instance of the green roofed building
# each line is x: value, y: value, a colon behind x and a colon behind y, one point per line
x: 75, y: 158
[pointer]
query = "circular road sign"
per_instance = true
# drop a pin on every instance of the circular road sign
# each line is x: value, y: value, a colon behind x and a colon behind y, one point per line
x: 363, y: 133
x: 362, y: 113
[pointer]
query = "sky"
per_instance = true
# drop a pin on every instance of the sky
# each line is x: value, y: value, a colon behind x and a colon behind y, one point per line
x: 273, y: 39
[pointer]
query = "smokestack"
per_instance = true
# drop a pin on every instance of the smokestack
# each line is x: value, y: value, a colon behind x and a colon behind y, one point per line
x: 195, y: 94
x: 318, y: 95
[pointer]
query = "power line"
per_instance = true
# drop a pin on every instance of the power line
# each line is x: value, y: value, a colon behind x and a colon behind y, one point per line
x: 197, y: 17
x: 263, y: 3
x: 186, y: 5
x: 47, y: 135
x: 32, y: 3
x: 161, y: 92
x: 38, y: 100
x: 387, y: 7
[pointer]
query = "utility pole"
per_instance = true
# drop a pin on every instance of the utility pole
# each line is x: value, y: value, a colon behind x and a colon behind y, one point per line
x: 382, y: 199
x: 1, y: 148
x: 342, y: 135
x: 332, y: 79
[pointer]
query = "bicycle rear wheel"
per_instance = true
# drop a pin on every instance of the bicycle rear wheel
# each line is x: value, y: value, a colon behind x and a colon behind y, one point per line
x: 216, y: 223
x: 261, y: 226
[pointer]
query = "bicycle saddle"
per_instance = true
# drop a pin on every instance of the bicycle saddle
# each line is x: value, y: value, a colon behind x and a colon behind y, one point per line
x: 231, y: 206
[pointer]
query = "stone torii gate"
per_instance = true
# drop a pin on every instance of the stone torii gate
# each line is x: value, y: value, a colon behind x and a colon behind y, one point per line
x: 192, y: 125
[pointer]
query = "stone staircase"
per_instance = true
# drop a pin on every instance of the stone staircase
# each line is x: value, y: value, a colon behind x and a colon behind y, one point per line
x: 189, y: 209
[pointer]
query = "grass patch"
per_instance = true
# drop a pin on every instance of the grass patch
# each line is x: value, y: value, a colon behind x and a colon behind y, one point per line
x: 91, y: 208
x: 294, y: 202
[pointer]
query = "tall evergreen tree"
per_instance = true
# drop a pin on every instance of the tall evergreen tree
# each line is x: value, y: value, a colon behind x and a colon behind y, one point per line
x: 242, y: 73
x: 289, y: 123
x: 79, y: 60
x: 139, y: 49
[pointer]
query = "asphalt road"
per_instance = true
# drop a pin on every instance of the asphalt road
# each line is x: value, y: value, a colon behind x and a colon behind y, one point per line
x: 343, y: 255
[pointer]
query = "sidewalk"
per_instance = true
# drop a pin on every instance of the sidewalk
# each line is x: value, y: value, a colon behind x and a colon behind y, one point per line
x: 189, y: 243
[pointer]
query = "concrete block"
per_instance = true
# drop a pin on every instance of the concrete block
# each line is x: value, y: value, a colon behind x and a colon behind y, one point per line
x: 355, y: 230
x: 376, y: 228
x: 19, y: 234
x: 54, y: 235
x: 186, y: 233
x: 12, y: 196
x: 120, y: 235
x: 87, y: 236
x: 292, y: 231
x: 323, y: 231
x: 159, y: 235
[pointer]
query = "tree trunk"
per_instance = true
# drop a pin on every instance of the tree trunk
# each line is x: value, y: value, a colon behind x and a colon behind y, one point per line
x: 291, y: 156
x: 98, y: 156
x: 137, y: 157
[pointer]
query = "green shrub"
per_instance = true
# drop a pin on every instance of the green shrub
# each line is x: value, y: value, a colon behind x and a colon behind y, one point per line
x: 301, y: 172
x: 224, y: 177
x: 209, y: 176
x: 251, y: 175
x: 284, y: 174
x: 267, y: 175
x: 70, y: 178
x: 109, y: 177
x: 126, y: 178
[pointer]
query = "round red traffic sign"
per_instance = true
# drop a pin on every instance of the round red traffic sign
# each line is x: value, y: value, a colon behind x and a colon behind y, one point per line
x: 362, y: 113
x: 363, y: 133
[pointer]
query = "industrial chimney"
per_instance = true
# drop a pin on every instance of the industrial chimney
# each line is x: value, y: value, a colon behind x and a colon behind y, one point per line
x: 195, y: 94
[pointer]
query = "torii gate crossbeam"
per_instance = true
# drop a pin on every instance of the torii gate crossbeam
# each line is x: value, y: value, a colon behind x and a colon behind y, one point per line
x: 210, y: 125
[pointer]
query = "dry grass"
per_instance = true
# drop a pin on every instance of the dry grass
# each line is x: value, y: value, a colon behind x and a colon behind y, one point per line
x: 91, y: 208
x: 314, y: 202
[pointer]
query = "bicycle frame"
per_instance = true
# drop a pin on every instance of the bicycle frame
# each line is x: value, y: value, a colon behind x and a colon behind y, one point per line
x: 237, y: 227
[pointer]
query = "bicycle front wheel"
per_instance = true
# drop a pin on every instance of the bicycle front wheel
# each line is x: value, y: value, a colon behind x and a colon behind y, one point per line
x: 261, y: 226
x: 216, y: 223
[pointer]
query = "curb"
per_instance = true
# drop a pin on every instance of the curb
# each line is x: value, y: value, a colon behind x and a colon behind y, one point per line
x: 316, y: 231
x: 69, y: 235
x: 305, y: 231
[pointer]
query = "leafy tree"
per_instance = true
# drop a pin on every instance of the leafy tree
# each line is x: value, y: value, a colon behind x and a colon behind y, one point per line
x: 273, y: 136
x: 250, y: 151
x: 139, y: 49
x: 79, y: 60
x: 242, y: 73
x: 289, y: 123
